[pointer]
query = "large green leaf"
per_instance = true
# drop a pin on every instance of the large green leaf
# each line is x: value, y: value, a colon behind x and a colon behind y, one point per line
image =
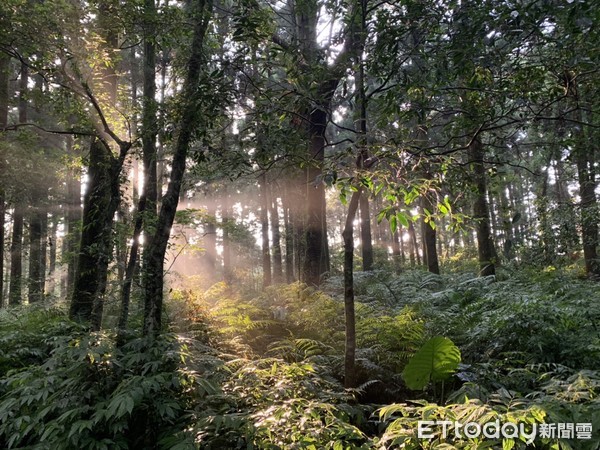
x: 435, y: 361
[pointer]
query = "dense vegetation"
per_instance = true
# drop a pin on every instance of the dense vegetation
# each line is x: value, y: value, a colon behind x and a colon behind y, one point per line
x: 298, y: 224
x: 233, y: 374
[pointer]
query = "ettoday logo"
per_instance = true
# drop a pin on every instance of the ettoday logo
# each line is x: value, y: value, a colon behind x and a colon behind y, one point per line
x: 426, y: 429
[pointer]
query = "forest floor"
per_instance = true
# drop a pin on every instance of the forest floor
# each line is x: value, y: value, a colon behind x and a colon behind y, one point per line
x: 241, y: 369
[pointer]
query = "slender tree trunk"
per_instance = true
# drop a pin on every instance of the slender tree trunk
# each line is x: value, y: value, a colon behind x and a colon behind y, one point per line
x: 277, y: 260
x: 396, y: 256
x: 507, y: 225
x: 16, y: 247
x: 131, y: 268
x: 264, y: 221
x: 16, y: 250
x: 4, y: 69
x: 2, y: 222
x: 481, y: 215
x: 589, y: 208
x: 348, y: 236
x: 73, y: 215
x: 289, y: 237
x: 44, y: 253
x: 210, y: 240
x: 316, y: 261
x: 414, y: 246
x: 298, y: 227
x: 429, y: 239
x: 365, y: 234
x: 35, y: 257
x: 225, y: 224
x: 52, y: 253
x: 153, y: 276
x: 100, y: 204
x: 149, y: 123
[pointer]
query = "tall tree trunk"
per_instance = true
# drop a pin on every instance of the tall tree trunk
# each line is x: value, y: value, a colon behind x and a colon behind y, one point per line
x: 359, y: 38
x: 149, y: 123
x: 396, y: 255
x: 4, y: 69
x: 365, y: 234
x: 225, y: 224
x: 277, y: 260
x: 35, y: 256
x: 429, y: 238
x: 481, y: 215
x: 316, y: 261
x: 16, y: 246
x: 95, y: 248
x: 584, y: 155
x: 210, y: 240
x: 16, y: 250
x: 153, y: 276
x: 350, y: 319
x: 264, y: 221
x: 2, y: 223
x: 73, y: 216
x: 589, y: 210
x: 131, y: 268
x: 52, y: 253
x: 297, y: 219
x: 507, y: 224
x: 414, y: 246
x: 289, y: 236
x: 44, y: 252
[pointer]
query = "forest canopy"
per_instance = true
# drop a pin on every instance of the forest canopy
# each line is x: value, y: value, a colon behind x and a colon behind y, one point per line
x: 298, y: 224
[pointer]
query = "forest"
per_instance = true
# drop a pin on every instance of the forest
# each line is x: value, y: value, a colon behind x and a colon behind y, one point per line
x: 299, y: 224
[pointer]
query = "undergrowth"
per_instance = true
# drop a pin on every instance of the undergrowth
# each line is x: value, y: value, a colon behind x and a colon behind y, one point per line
x: 266, y: 371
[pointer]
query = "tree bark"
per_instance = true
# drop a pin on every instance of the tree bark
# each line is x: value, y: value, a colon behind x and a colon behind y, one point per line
x: 131, y: 268
x: 35, y: 257
x: 2, y: 219
x: 153, y: 273
x: 277, y: 259
x: 316, y: 262
x: 16, y: 246
x: 429, y: 238
x: 396, y: 255
x: 350, y: 319
x: 289, y: 237
x: 589, y: 210
x: 16, y: 250
x: 73, y: 216
x: 52, y: 253
x: 95, y: 249
x: 481, y: 215
x: 365, y: 234
x: 507, y: 225
x: 264, y: 221
x: 149, y: 125
x: 210, y: 241
x: 414, y: 246
x: 4, y: 69
x: 225, y: 224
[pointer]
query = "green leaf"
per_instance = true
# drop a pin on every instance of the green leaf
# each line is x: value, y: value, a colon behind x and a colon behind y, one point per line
x: 507, y: 444
x: 403, y: 219
x: 437, y: 360
x: 393, y: 223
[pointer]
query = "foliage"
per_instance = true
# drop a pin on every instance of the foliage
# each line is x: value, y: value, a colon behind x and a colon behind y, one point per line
x: 437, y: 360
x: 273, y: 404
x: 87, y: 393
